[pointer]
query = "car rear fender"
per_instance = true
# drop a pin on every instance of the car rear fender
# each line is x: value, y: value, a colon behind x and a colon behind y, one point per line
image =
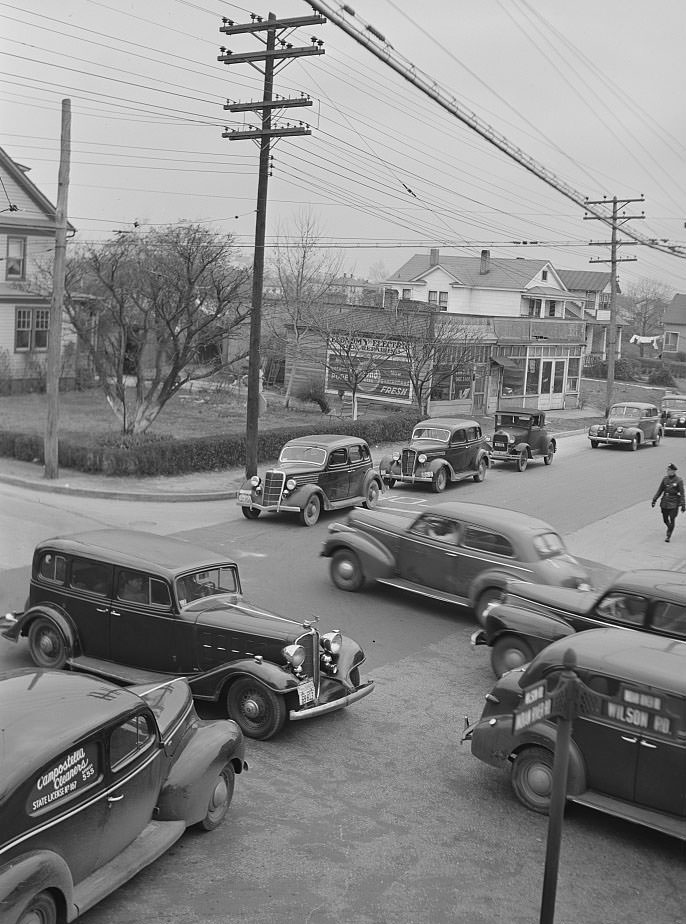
x: 369, y: 477
x: 492, y: 577
x: 187, y: 790
x: 32, y: 873
x: 377, y: 562
x: 504, y: 618
x: 544, y: 735
x: 52, y: 612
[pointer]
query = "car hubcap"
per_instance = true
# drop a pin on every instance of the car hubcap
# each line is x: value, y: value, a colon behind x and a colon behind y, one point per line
x: 345, y: 569
x: 219, y: 796
x: 46, y: 643
x: 252, y: 709
x: 539, y: 781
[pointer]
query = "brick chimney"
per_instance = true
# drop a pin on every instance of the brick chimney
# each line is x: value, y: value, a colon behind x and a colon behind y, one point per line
x: 485, y: 262
x: 433, y: 256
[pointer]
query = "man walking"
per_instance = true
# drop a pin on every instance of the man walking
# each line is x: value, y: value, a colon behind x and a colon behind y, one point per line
x: 671, y: 488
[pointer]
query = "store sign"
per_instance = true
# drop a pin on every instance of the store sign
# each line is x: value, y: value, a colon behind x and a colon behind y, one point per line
x: 386, y: 380
x: 73, y: 771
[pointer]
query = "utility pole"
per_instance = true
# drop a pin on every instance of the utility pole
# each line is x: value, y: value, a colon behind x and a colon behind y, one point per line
x: 277, y: 49
x: 51, y: 442
x: 617, y: 222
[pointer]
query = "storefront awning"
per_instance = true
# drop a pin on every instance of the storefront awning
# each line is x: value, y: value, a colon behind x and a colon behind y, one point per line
x: 505, y: 362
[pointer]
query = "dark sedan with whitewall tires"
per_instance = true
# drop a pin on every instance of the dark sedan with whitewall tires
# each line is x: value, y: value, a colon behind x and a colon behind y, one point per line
x: 314, y: 473
x: 135, y: 607
x: 521, y: 437
x: 454, y: 552
x: 673, y: 415
x: 530, y: 617
x: 441, y: 450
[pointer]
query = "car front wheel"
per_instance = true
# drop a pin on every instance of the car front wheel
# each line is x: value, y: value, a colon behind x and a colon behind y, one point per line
x: 532, y: 778
x: 46, y: 644
x: 658, y: 437
x: 509, y: 652
x: 309, y: 515
x: 633, y: 446
x: 549, y: 456
x: 480, y: 473
x: 440, y: 481
x: 346, y: 570
x: 258, y: 711
x: 220, y: 799
x: 522, y: 462
x: 372, y: 495
x: 40, y: 910
x: 250, y: 513
x: 594, y: 444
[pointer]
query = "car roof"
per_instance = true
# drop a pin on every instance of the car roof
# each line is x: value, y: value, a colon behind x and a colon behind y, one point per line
x: 325, y: 440
x: 449, y: 422
x: 674, y: 394
x: 641, y: 404
x: 635, y: 657
x: 667, y: 585
x: 43, y: 713
x: 495, y: 518
x: 136, y: 549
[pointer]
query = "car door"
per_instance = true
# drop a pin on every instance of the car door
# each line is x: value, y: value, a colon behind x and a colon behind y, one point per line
x: 89, y: 603
x: 335, y: 479
x: 428, y: 553
x: 458, y: 451
x: 482, y: 548
x: 359, y: 460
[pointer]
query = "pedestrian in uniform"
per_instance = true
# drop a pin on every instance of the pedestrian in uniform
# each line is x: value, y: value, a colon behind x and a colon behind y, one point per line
x: 671, y: 492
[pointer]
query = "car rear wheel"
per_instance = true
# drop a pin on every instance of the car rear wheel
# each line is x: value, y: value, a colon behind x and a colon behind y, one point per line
x: 438, y: 485
x: 532, y: 778
x: 258, y: 711
x: 250, y: 513
x: 550, y: 455
x: 372, y: 495
x: 633, y: 445
x: 346, y: 570
x: 220, y: 799
x: 40, y: 910
x: 490, y: 595
x: 509, y: 652
x: 594, y: 444
x: 480, y: 473
x: 309, y: 515
x: 522, y: 462
x: 46, y: 644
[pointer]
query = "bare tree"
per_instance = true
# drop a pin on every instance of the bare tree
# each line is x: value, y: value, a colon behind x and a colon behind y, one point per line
x: 304, y: 272
x: 644, y: 307
x: 163, y: 301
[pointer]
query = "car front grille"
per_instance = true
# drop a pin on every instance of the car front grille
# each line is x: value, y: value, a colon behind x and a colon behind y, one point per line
x: 408, y: 462
x: 273, y: 487
x: 500, y: 443
x: 310, y: 668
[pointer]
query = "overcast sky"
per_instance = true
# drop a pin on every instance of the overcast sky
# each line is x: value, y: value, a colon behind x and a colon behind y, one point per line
x: 592, y: 91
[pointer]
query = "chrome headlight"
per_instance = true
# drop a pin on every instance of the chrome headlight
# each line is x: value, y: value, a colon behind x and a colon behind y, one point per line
x: 396, y: 456
x: 295, y: 655
x: 421, y: 458
x: 510, y: 440
x: 682, y: 420
x: 620, y: 430
x: 290, y: 484
x: 332, y: 641
x: 255, y: 481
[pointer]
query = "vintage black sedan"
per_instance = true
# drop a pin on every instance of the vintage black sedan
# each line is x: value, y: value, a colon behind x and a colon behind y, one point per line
x: 673, y: 415
x: 529, y: 617
x: 135, y: 607
x: 97, y: 781
x: 521, y: 436
x: 314, y: 473
x: 454, y: 552
x: 631, y: 424
x: 441, y: 450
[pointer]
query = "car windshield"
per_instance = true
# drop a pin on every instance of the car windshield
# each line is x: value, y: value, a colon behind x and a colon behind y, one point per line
x: 431, y: 433
x: 675, y: 404
x: 624, y: 410
x: 548, y: 545
x: 512, y: 420
x: 308, y: 455
x: 221, y: 579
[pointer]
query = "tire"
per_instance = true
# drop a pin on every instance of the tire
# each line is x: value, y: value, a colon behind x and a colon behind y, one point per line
x: 390, y: 483
x: 258, y: 711
x: 47, y: 646
x: 440, y: 481
x: 656, y: 441
x: 309, y: 515
x: 549, y: 456
x: 633, y: 446
x: 490, y: 595
x: 522, y: 461
x: 594, y: 444
x: 372, y: 495
x: 346, y: 571
x: 250, y: 513
x: 509, y: 652
x: 220, y: 799
x: 480, y: 473
x: 40, y: 910
x: 532, y: 778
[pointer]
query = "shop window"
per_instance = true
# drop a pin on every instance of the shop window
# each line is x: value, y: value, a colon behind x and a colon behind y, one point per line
x: 533, y: 368
x: 513, y: 377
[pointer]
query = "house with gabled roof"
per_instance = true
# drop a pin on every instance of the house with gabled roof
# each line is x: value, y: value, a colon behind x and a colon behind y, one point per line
x: 27, y: 237
x: 594, y: 288
x: 674, y: 326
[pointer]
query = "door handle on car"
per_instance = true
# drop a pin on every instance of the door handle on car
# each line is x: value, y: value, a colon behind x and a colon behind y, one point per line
x: 647, y: 744
x: 629, y: 740
x: 115, y: 613
x: 115, y: 798
x: 99, y: 609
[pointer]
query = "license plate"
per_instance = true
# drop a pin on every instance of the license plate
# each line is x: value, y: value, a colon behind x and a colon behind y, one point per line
x: 244, y: 497
x: 306, y: 692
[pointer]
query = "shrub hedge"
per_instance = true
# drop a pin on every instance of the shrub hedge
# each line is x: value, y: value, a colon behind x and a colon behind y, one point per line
x: 150, y: 454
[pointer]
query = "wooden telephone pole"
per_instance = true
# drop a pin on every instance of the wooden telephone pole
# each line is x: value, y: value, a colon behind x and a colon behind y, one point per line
x: 617, y: 222
x: 277, y: 49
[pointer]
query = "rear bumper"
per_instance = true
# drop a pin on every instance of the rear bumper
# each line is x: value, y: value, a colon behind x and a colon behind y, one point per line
x: 311, y: 712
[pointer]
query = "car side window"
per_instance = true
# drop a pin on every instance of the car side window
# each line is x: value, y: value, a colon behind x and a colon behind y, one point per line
x: 624, y: 608
x: 669, y: 617
x: 133, y: 587
x: 436, y: 527
x: 459, y: 436
x: 338, y: 457
x: 53, y: 567
x: 90, y: 575
x: 473, y: 433
x: 484, y: 540
x: 159, y: 593
x: 355, y: 454
x: 129, y: 739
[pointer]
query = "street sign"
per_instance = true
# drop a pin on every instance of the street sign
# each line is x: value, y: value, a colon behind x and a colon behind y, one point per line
x: 536, y: 705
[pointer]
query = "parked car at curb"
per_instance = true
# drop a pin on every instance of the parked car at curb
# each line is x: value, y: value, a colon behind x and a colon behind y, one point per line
x: 454, y: 552
x: 673, y: 415
x: 630, y: 423
x: 521, y: 436
x: 135, y: 607
x: 441, y: 450
x: 529, y: 616
x: 627, y: 754
x: 314, y: 473
x: 97, y: 782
